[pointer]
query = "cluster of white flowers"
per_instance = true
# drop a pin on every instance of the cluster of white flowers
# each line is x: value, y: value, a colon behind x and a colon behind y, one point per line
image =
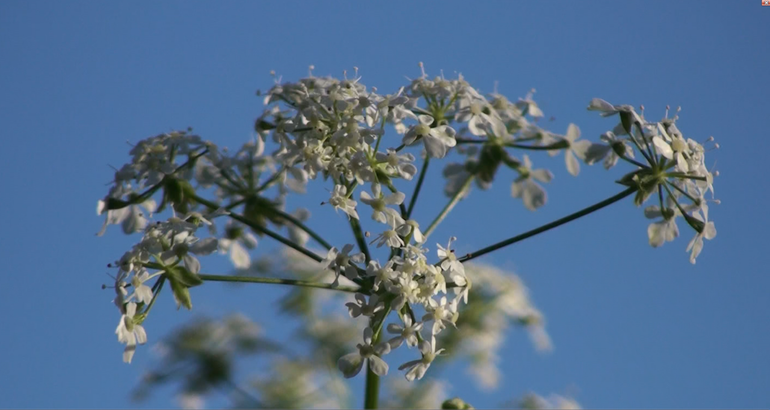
x: 168, y: 248
x: 335, y: 129
x: 674, y: 169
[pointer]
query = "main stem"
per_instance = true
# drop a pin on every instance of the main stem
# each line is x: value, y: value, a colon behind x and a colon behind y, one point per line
x: 372, y: 389
x: 554, y: 224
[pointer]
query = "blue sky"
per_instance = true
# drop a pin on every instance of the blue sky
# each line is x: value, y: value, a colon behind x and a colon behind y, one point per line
x: 632, y: 326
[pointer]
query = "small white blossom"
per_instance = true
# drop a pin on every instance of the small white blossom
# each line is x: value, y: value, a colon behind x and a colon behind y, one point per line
x: 437, y: 140
x: 525, y: 187
x: 709, y: 231
x: 340, y: 200
x: 406, y: 333
x: 379, y: 203
x: 341, y: 263
x: 142, y: 292
x: 130, y: 332
x: 440, y: 313
x: 417, y: 368
x: 351, y: 364
x: 361, y: 308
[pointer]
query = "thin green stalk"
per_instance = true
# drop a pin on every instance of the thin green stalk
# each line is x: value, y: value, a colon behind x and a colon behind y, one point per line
x: 276, y: 281
x: 417, y: 188
x: 260, y: 229
x: 360, y: 240
x: 449, y: 206
x: 551, y: 147
x: 269, y: 181
x: 650, y: 146
x: 546, y: 227
x: 296, y: 222
x: 469, y: 141
x: 632, y: 161
x: 372, y: 392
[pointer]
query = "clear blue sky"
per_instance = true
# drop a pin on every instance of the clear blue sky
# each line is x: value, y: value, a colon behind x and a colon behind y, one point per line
x: 632, y: 326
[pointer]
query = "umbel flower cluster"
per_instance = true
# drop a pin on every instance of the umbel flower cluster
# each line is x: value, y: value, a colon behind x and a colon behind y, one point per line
x: 334, y: 131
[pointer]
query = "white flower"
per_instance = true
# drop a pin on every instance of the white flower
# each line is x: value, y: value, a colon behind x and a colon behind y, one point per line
x: 397, y: 164
x: 437, y: 140
x: 130, y: 332
x: 665, y: 230
x: 381, y: 274
x: 448, y: 258
x: 340, y: 263
x: 379, y: 204
x: 389, y: 237
x: 480, y: 123
x: 441, y: 313
x: 614, y: 144
x: 411, y: 227
x: 142, y: 292
x: 361, y: 308
x: 675, y: 150
x: 340, y: 200
x: 351, y: 364
x: 406, y: 289
x: 527, y: 189
x: 576, y: 148
x: 185, y: 244
x: 236, y: 241
x: 528, y: 106
x: 131, y: 218
x: 406, y: 333
x: 708, y: 231
x: 417, y: 368
x: 628, y: 116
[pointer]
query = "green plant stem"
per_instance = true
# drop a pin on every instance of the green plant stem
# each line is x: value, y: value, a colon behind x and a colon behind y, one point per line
x: 417, y: 188
x: 270, y: 180
x: 275, y: 281
x: 264, y: 231
x: 549, y: 226
x: 360, y: 240
x: 296, y: 222
x: 449, y: 206
x: 372, y: 392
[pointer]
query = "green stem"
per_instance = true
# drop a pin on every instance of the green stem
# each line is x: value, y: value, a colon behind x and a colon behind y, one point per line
x: 262, y: 230
x: 554, y: 146
x: 417, y: 188
x: 633, y: 161
x: 372, y: 391
x: 650, y: 146
x: 449, y: 206
x: 296, y: 222
x: 360, y: 240
x: 269, y: 181
x: 275, y: 281
x: 554, y: 224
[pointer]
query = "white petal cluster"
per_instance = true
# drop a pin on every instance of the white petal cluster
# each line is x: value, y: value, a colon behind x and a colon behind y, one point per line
x: 674, y: 172
x: 334, y: 130
x: 164, y: 246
